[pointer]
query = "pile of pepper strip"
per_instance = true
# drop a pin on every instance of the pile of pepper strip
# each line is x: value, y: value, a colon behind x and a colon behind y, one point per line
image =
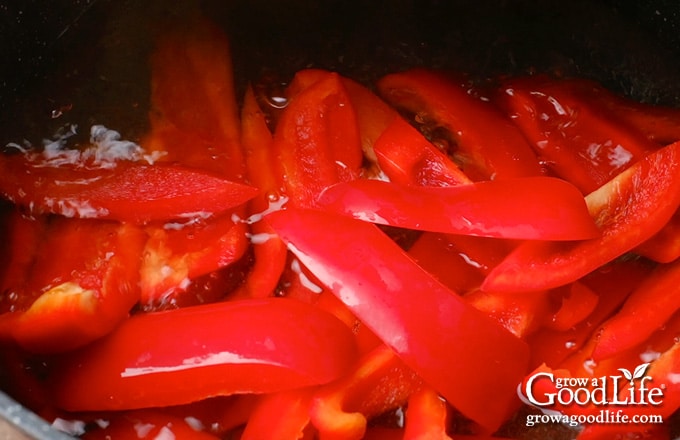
x: 420, y: 258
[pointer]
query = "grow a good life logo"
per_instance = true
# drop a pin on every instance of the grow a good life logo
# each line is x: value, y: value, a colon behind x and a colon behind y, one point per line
x: 587, y: 400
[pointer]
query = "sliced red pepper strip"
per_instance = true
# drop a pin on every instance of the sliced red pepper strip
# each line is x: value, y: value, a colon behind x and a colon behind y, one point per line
x: 298, y: 284
x: 194, y: 116
x: 194, y: 122
x: 269, y: 251
x: 177, y: 254
x: 480, y: 152
x: 131, y: 192
x: 629, y: 209
x: 577, y: 302
x: 434, y: 253
x: 83, y: 283
x: 407, y: 158
x: 283, y: 415
x: 377, y: 281
x: 164, y: 358
x: 519, y: 312
x: 316, y: 141
x: 373, y: 115
x: 21, y: 236
x: 645, y: 310
x: 378, y: 383
x: 664, y: 247
x: 540, y: 208
x: 612, y: 282
x: 578, y: 139
x: 658, y: 123
x: 426, y: 416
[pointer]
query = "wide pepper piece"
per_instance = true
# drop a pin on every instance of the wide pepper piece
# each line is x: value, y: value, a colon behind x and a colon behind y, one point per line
x: 184, y: 355
x: 455, y: 348
x: 628, y: 210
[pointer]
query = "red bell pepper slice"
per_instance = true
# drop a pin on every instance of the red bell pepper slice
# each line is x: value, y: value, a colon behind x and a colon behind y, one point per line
x: 658, y: 123
x: 176, y: 255
x: 426, y: 416
x: 612, y: 283
x: 131, y: 192
x: 82, y: 284
x: 269, y: 251
x: 22, y: 236
x: 519, y: 312
x: 430, y: 333
x: 629, y: 209
x: 317, y: 141
x: 540, y: 208
x: 164, y: 358
x: 577, y: 302
x: 480, y: 152
x: 578, y: 139
x: 194, y: 114
x: 434, y: 253
x: 378, y: 383
x: 407, y: 158
x: 283, y: 415
x: 373, y: 115
x: 645, y: 310
x: 664, y: 246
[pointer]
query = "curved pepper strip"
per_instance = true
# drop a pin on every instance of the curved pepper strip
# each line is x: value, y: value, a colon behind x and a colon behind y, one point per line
x: 587, y: 135
x: 425, y: 323
x: 269, y: 251
x: 283, y: 415
x: 612, y: 283
x: 645, y: 310
x: 538, y: 208
x: 519, y: 312
x: 373, y: 116
x: 164, y: 358
x: 22, y: 236
x: 176, y: 255
x: 481, y: 153
x: 434, y: 253
x: 629, y: 209
x: 407, y: 158
x: 658, y: 123
x: 577, y: 302
x: 82, y: 284
x: 578, y: 139
x: 194, y: 122
x: 664, y: 246
x: 426, y: 416
x: 317, y: 141
x: 298, y: 284
x: 194, y: 113
x: 380, y: 382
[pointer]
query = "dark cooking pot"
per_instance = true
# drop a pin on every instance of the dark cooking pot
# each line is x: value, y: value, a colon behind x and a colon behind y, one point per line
x: 83, y: 62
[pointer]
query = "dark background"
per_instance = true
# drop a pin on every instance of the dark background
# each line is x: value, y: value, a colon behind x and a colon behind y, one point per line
x: 87, y: 59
